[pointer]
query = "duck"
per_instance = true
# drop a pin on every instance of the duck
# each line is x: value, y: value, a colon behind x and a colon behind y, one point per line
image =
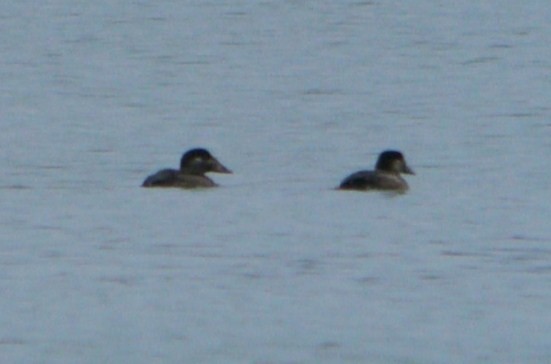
x: 193, y: 166
x: 385, y: 177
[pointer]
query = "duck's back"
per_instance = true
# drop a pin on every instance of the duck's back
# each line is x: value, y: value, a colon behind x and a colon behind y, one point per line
x: 163, y: 178
x: 175, y: 178
x: 374, y: 180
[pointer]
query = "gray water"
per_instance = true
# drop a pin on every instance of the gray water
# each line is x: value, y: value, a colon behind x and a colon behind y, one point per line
x: 275, y: 266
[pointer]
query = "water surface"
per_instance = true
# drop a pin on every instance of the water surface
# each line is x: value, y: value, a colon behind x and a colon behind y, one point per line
x: 275, y: 266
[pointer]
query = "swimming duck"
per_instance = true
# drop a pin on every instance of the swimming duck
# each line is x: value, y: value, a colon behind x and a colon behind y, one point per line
x: 386, y: 175
x: 193, y: 166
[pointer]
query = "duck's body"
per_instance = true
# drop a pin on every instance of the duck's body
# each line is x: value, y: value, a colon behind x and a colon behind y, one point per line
x: 193, y: 166
x: 174, y: 178
x: 385, y: 177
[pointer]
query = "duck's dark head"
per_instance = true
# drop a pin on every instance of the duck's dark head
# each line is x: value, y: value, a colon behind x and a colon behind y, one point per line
x: 199, y: 161
x: 393, y: 161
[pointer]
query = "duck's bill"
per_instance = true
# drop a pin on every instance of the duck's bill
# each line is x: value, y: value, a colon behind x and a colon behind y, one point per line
x: 408, y: 170
x: 220, y: 168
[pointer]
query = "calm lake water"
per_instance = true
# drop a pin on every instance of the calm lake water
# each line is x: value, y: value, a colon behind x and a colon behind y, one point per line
x: 275, y: 266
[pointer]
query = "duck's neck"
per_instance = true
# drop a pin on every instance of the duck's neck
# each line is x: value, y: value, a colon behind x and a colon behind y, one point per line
x: 193, y: 170
x: 386, y: 171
